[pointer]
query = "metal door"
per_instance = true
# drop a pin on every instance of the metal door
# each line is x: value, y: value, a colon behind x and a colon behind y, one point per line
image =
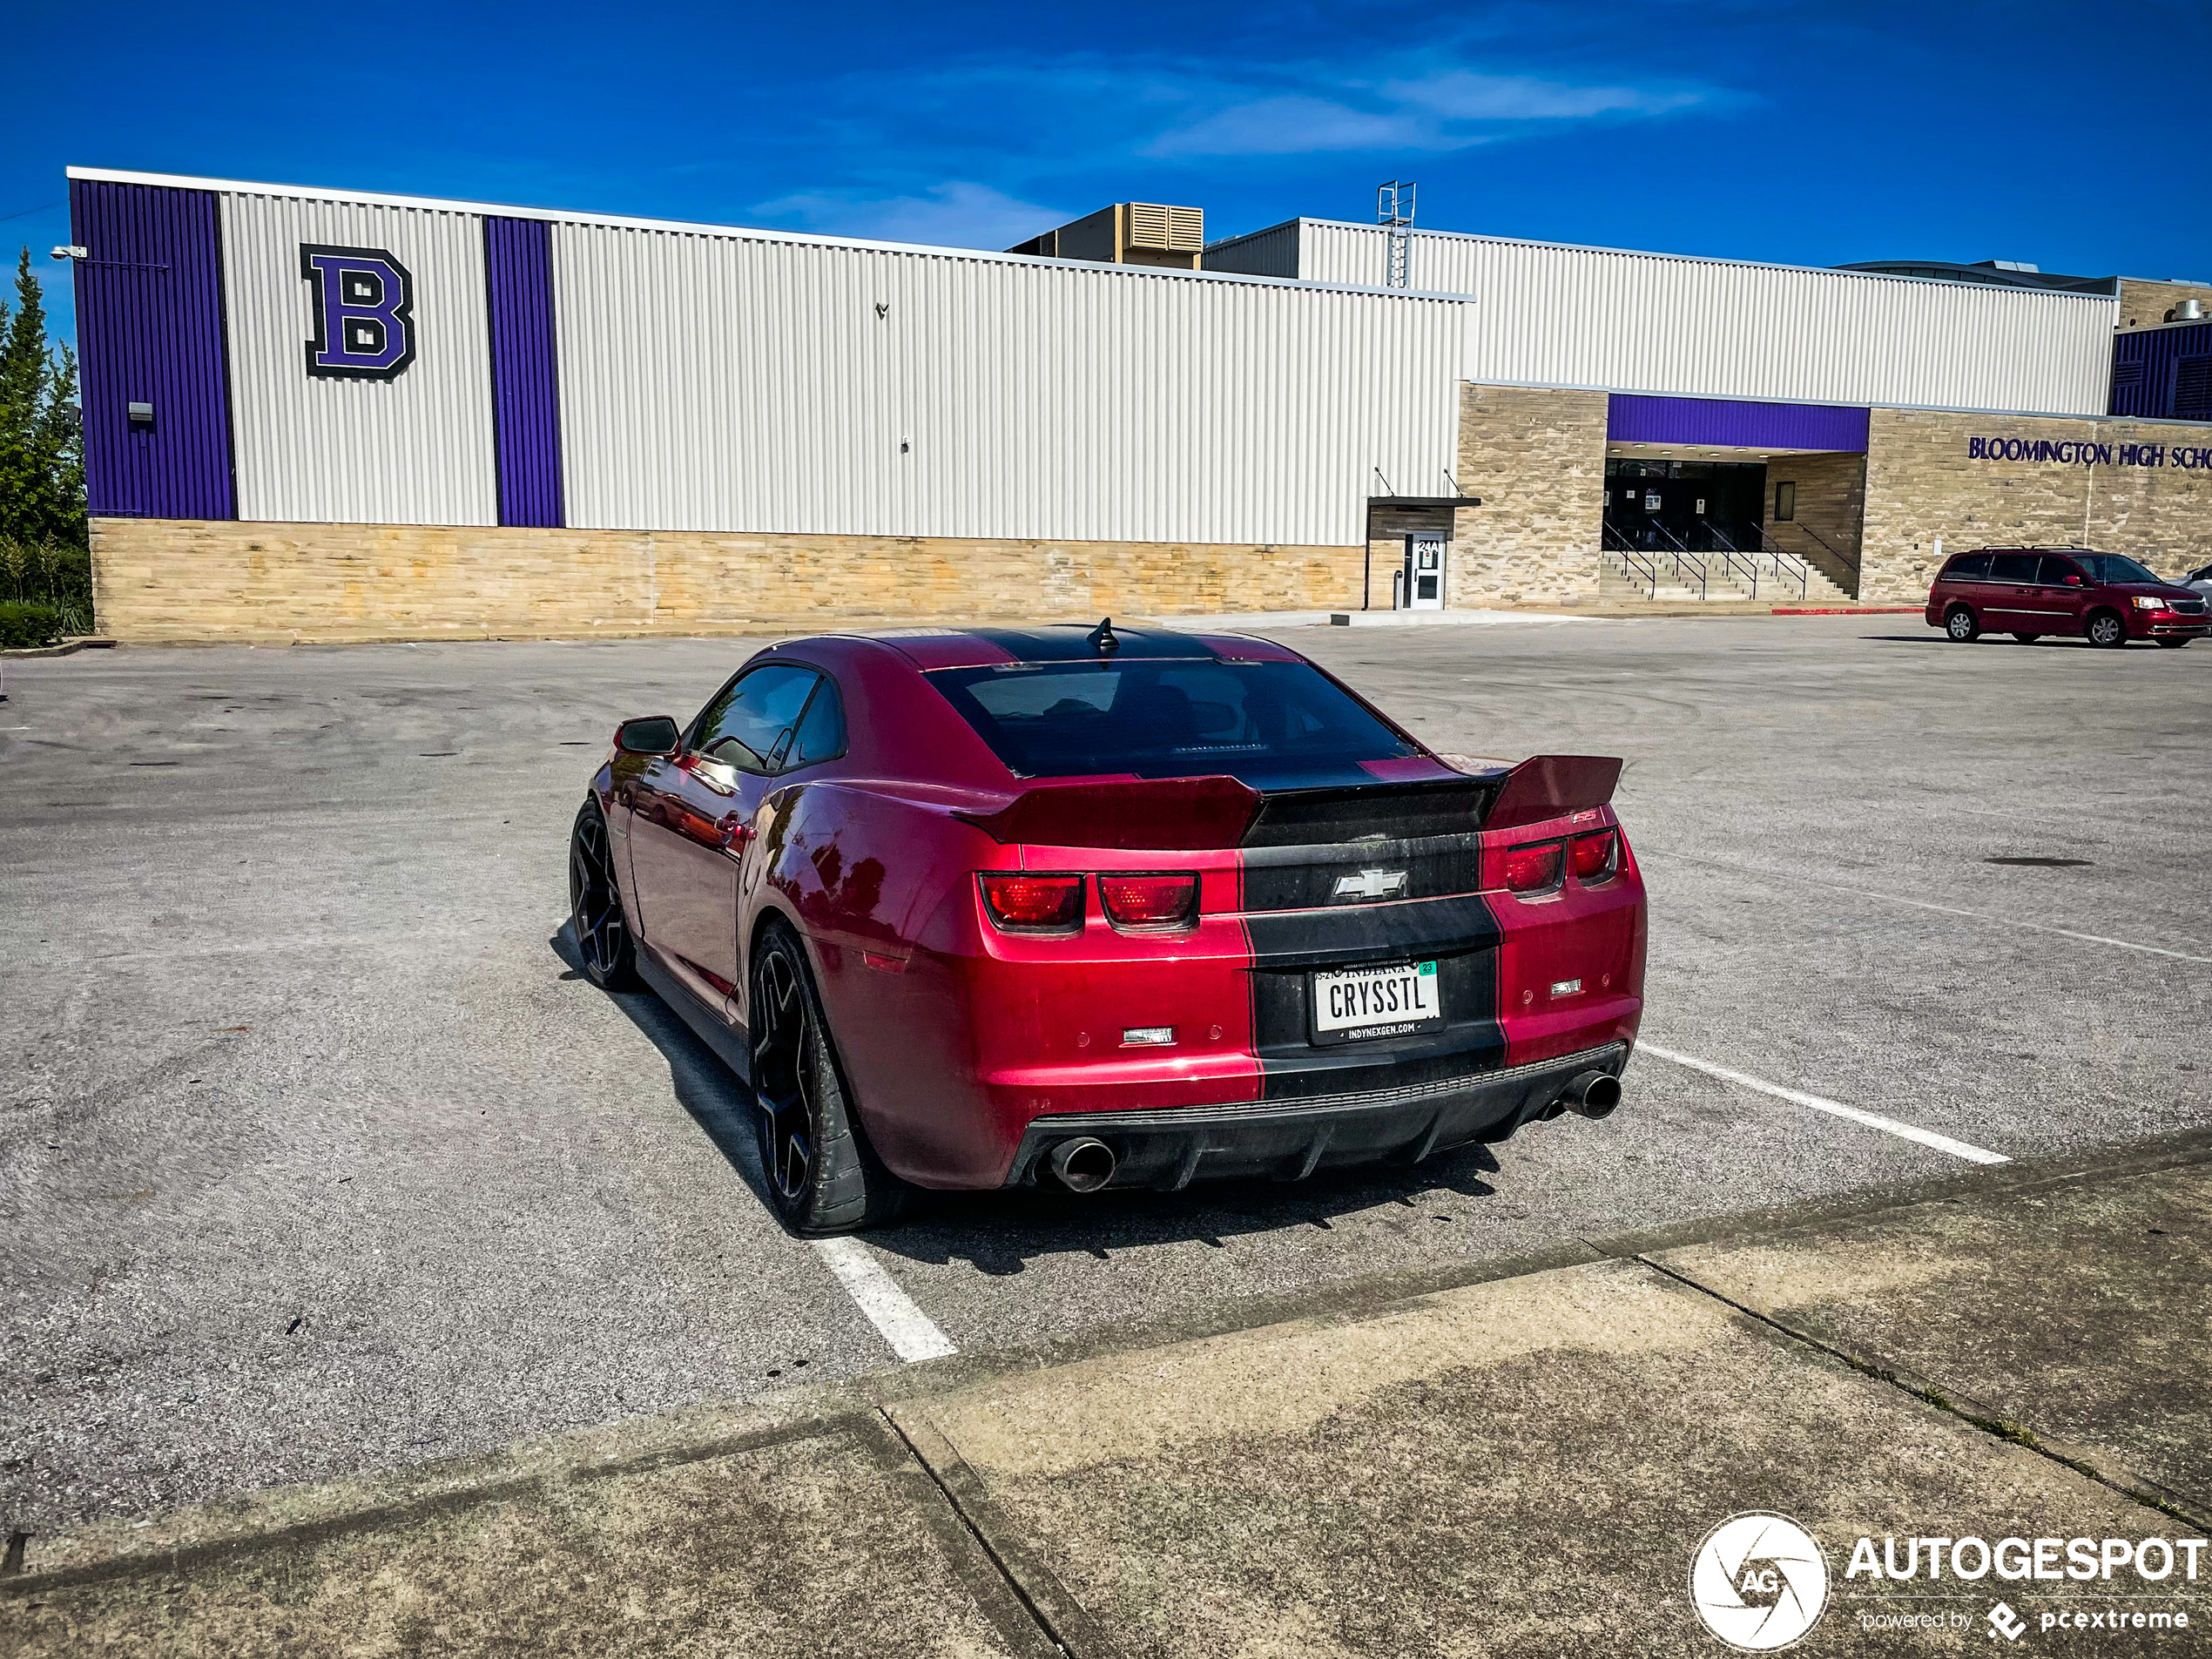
x: 1425, y: 572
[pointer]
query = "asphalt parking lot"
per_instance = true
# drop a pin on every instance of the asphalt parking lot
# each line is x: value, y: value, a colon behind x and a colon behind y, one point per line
x: 320, y: 1156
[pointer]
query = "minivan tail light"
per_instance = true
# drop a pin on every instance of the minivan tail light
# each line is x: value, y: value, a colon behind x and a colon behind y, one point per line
x: 1533, y: 869
x: 1021, y: 902
x: 1150, y: 901
x: 1595, y: 856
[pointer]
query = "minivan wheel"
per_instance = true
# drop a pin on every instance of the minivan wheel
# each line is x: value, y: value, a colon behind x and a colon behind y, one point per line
x: 1959, y: 624
x: 2107, y: 629
x: 2028, y: 639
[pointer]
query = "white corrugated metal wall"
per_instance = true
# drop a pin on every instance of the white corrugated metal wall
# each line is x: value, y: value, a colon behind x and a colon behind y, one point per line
x: 728, y: 382
x: 413, y: 450
x: 1553, y: 316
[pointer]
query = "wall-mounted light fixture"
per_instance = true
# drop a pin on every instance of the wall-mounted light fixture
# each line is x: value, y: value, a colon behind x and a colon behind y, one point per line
x: 142, y: 414
x: 72, y: 251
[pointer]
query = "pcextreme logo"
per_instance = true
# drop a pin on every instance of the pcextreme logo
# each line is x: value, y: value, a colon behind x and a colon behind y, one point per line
x: 1758, y: 1581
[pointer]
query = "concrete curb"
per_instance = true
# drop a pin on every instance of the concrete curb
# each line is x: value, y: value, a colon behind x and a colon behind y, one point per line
x: 280, y: 1517
x: 67, y: 648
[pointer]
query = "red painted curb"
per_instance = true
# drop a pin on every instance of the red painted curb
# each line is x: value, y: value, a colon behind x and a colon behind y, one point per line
x: 1850, y: 611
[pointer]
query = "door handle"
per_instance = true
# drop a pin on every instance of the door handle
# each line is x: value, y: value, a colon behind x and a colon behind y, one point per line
x: 736, y: 833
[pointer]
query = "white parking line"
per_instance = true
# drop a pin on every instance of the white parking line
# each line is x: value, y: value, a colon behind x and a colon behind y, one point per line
x: 1872, y: 1120
x: 911, y: 1334
x: 1944, y: 909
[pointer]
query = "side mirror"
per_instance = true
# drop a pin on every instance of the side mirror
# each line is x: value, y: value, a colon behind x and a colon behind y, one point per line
x: 652, y: 735
x: 2074, y: 582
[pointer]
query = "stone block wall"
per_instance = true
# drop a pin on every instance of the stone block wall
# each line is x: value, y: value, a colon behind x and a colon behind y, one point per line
x: 156, y: 580
x: 1923, y: 483
x: 2144, y: 304
x: 1831, y: 505
x: 1537, y: 457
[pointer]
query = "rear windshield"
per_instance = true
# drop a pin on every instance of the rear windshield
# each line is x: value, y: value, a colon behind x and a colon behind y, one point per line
x: 1272, y: 724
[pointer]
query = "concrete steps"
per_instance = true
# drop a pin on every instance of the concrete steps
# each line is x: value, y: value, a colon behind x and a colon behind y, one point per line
x: 1723, y: 585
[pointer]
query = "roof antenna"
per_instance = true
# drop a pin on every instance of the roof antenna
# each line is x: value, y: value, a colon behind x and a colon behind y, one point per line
x: 1103, y: 639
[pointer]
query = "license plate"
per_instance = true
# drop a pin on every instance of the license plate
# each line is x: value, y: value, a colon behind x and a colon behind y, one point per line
x: 1375, y: 1002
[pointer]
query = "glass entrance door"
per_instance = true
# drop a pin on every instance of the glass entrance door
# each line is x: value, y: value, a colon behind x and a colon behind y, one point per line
x: 1424, y: 587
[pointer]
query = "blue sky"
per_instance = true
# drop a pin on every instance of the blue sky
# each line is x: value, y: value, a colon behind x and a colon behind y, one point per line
x: 1812, y: 133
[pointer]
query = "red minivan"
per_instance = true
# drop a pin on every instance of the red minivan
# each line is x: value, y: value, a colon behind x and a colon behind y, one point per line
x: 2030, y: 591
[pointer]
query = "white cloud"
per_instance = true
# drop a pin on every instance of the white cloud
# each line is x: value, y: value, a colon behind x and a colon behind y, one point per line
x: 1449, y: 110
x: 1291, y: 126
x: 1463, y: 94
x: 957, y: 213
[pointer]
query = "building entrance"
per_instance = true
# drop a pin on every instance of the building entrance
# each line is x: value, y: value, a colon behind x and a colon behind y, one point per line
x: 1684, y: 506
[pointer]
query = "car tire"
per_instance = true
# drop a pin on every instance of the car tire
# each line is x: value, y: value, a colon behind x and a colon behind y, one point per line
x: 2173, y: 644
x: 1959, y: 624
x: 604, y: 944
x: 2107, y: 629
x: 2028, y: 639
x: 822, y: 1175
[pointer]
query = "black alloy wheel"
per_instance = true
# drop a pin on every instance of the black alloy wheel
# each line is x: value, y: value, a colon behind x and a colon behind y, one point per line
x: 602, y: 936
x: 1959, y: 624
x: 822, y: 1175
x: 2107, y: 629
x: 2028, y: 639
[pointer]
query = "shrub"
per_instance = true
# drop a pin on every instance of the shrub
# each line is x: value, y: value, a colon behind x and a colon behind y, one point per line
x: 51, y: 574
x: 22, y: 626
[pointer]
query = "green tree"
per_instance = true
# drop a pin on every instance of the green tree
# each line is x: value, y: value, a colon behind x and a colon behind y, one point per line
x: 42, y: 450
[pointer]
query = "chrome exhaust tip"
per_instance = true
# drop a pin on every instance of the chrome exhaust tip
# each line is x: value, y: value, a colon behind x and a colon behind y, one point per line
x: 1593, y: 1094
x: 1084, y: 1164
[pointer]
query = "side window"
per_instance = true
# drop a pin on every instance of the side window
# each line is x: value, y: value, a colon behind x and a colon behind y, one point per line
x: 2056, y: 570
x: 2011, y: 567
x: 822, y: 729
x: 749, y: 727
x: 1968, y: 567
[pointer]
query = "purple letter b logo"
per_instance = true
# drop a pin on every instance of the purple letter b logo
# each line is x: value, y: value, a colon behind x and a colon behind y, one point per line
x: 364, y: 313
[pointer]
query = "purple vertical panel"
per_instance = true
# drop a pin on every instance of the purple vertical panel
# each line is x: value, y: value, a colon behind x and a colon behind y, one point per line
x: 2145, y: 368
x: 525, y: 386
x: 149, y: 330
x: 1719, y: 420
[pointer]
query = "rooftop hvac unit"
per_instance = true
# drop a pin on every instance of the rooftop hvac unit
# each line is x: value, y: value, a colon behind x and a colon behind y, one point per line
x: 1169, y: 229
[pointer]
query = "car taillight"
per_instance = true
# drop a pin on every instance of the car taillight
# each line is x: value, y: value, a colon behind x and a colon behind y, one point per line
x: 1150, y: 901
x: 1595, y: 855
x: 1533, y: 869
x: 1021, y: 902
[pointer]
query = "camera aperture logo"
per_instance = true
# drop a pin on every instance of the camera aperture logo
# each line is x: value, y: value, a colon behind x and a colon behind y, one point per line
x: 1758, y: 1581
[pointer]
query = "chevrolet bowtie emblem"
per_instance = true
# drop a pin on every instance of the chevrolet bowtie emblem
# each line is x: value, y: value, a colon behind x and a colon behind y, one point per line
x: 1370, y: 884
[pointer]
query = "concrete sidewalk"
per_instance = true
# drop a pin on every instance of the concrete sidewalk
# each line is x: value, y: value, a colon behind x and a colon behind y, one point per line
x: 1523, y: 1462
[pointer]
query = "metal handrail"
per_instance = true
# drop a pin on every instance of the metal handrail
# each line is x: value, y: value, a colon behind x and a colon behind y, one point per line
x: 1732, y: 559
x: 1638, y: 565
x: 1787, y: 566
x: 1679, y: 555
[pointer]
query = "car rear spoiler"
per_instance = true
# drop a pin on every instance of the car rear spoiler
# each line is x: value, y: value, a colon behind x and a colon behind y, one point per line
x: 1165, y: 814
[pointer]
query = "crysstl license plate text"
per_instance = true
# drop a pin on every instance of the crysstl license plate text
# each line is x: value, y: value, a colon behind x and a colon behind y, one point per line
x: 1375, y: 1002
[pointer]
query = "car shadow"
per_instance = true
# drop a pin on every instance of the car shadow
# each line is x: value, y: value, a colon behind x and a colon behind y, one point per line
x: 999, y: 1232
x: 703, y: 1087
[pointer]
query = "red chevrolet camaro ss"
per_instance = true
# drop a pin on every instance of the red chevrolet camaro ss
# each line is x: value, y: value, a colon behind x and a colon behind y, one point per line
x: 991, y: 907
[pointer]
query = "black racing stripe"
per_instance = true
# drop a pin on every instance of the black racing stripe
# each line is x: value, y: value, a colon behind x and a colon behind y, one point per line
x: 1459, y: 934
x: 1307, y: 878
x: 1350, y: 935
x: 1319, y: 818
x: 1071, y: 643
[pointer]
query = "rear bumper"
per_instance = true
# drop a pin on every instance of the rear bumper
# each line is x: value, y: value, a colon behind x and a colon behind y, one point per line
x: 1169, y: 1148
